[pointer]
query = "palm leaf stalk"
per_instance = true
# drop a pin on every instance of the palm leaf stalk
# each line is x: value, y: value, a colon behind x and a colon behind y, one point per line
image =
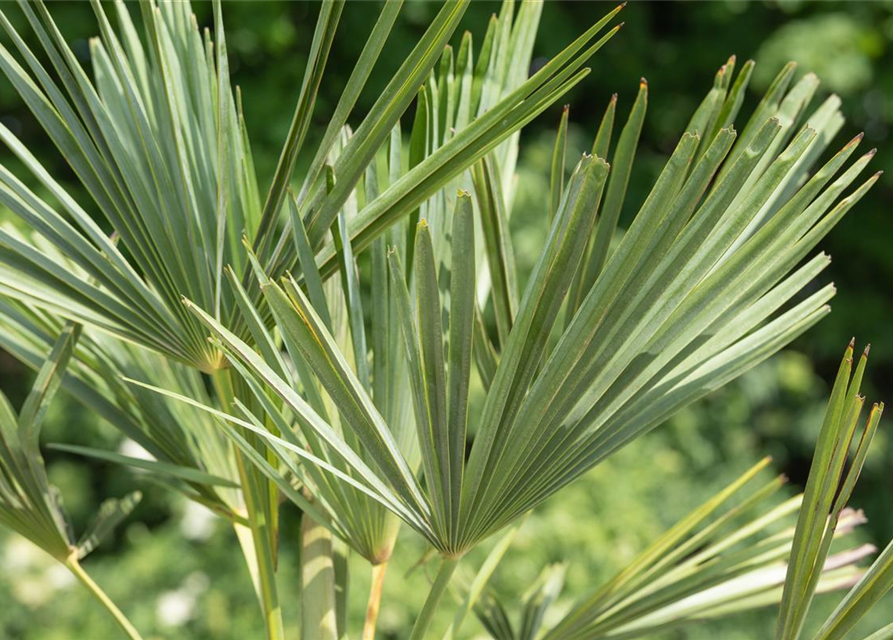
x: 700, y: 289
x: 29, y: 504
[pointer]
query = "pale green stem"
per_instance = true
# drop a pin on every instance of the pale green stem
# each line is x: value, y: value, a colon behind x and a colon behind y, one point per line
x: 266, y: 570
x: 378, y: 574
x: 262, y: 565
x: 319, y: 619
x: 75, y: 567
x: 441, y: 582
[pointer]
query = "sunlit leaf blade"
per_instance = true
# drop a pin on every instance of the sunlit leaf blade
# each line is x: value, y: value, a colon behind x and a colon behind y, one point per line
x: 872, y: 586
x: 621, y: 163
x: 559, y: 153
x: 498, y: 245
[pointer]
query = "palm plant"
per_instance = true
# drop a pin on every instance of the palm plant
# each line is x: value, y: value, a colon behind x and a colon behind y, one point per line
x: 361, y: 416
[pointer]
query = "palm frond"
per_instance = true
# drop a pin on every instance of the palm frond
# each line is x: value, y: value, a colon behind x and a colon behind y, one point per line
x: 188, y: 452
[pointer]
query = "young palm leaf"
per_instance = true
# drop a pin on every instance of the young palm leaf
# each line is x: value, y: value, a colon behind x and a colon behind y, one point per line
x: 828, y: 489
x: 32, y: 507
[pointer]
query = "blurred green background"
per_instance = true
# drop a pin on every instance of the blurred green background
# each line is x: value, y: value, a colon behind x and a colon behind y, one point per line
x: 177, y: 571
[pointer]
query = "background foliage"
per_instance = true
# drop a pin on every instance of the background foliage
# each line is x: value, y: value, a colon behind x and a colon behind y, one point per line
x: 174, y: 569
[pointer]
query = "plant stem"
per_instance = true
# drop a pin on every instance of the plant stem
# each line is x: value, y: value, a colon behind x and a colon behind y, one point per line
x: 319, y: 618
x: 378, y: 574
x: 441, y: 581
x: 75, y: 567
x: 254, y: 492
x: 266, y: 569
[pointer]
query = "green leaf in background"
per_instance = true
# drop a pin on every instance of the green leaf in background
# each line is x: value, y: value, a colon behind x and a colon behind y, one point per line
x: 29, y: 504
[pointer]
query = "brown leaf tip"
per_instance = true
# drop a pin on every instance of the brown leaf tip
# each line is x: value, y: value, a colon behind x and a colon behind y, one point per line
x: 852, y: 342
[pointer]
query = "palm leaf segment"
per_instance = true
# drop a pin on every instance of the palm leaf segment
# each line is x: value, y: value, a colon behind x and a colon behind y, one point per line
x: 158, y: 140
x: 701, y: 288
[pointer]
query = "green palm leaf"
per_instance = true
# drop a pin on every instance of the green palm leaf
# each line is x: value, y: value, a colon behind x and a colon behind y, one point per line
x: 29, y: 504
